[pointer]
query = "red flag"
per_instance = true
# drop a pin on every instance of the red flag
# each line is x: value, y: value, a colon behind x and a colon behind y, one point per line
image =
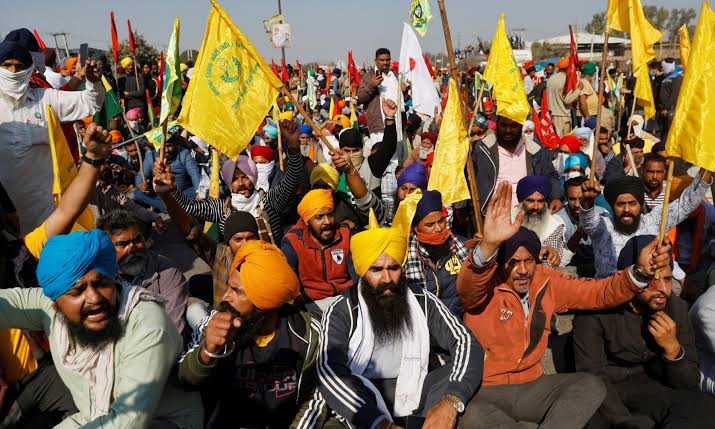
x: 544, y: 128
x: 429, y: 66
x: 275, y: 68
x: 132, y: 45
x: 39, y: 39
x: 545, y: 105
x: 115, y: 40
x: 571, y: 77
x: 285, y: 77
x: 353, y: 73
x: 162, y: 66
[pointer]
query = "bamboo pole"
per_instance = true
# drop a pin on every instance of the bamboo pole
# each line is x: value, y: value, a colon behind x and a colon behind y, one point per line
x: 136, y: 73
x: 471, y: 174
x: 664, y: 210
x: 163, y: 140
x: 280, y: 139
x: 309, y: 121
x: 141, y: 162
x: 602, y: 84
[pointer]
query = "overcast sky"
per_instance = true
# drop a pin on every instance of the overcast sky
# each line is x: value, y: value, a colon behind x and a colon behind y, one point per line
x: 322, y: 30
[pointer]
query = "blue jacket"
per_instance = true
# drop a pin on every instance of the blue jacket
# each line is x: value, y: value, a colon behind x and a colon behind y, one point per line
x: 184, y: 167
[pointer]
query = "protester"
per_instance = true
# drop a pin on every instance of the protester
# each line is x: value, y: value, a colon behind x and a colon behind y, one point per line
x: 654, y: 167
x: 131, y: 90
x: 376, y: 344
x: 626, y: 196
x: 509, y: 301
x: 645, y: 352
x: 271, y: 347
x: 507, y: 156
x: 620, y: 165
x: 21, y: 104
x: 533, y: 194
x: 318, y: 250
x: 701, y: 316
x: 480, y: 128
x: 560, y: 102
x: 669, y: 91
x: 588, y: 98
x: 265, y: 160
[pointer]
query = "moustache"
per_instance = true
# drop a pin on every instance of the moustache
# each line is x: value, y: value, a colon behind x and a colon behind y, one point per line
x: 102, y: 306
x: 226, y: 307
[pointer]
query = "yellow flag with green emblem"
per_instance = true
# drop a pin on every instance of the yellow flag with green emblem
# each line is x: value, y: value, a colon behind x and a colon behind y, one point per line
x: 231, y: 89
x: 503, y: 73
x: 451, y: 152
x: 692, y: 136
x: 64, y: 169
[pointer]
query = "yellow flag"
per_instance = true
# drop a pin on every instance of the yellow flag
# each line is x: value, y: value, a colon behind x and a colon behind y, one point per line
x: 331, y: 110
x: 402, y: 222
x: 64, y: 169
x: 692, y: 136
x: 505, y: 75
x: 627, y: 16
x: 684, y: 45
x: 451, y: 152
x: 644, y: 93
x: 232, y: 87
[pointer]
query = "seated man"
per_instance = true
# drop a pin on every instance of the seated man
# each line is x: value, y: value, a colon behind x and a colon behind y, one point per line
x: 114, y: 346
x: 510, y: 301
x: 533, y: 194
x: 271, y: 347
x: 626, y: 197
x: 435, y: 255
x: 578, y: 249
x: 702, y: 315
x: 645, y: 352
x: 375, y: 345
x: 141, y: 267
x: 318, y: 250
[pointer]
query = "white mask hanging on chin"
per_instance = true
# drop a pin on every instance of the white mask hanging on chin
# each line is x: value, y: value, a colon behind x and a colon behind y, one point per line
x: 243, y: 204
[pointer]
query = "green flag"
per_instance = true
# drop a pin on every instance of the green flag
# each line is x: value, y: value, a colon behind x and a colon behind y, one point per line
x: 420, y: 15
x: 110, y: 108
x: 171, y: 91
x: 479, y: 82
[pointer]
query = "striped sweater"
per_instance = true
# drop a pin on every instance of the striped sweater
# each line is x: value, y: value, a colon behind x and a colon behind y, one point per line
x: 274, y: 201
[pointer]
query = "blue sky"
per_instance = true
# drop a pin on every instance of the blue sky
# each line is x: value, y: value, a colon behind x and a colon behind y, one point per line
x: 322, y: 30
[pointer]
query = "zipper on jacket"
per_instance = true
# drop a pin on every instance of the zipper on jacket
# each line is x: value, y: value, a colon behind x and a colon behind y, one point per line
x: 325, y: 272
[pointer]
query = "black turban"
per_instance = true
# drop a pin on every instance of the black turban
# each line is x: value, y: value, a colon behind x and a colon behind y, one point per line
x: 625, y: 185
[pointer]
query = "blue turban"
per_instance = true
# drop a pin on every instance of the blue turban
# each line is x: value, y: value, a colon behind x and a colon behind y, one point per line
x: 583, y: 132
x: 13, y: 50
x: 305, y: 129
x: 66, y: 258
x: 430, y: 202
x: 523, y: 237
x: 414, y: 174
x: 24, y: 38
x: 576, y: 160
x: 530, y: 184
x: 270, y: 131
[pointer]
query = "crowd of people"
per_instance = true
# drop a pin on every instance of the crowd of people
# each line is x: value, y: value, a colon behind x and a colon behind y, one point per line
x: 342, y: 291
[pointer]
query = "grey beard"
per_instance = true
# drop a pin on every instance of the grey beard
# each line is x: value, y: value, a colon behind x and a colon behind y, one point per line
x: 134, y: 264
x: 537, y: 222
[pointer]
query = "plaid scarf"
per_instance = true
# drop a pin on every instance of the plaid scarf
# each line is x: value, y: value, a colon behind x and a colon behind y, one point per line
x: 417, y: 258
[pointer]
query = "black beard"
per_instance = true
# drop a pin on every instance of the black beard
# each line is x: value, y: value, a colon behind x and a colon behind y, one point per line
x: 390, y: 315
x: 626, y: 229
x: 318, y: 234
x: 438, y: 251
x: 251, y: 324
x: 96, y: 339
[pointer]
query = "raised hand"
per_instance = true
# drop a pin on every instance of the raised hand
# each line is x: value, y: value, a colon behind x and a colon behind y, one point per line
x: 498, y: 226
x: 389, y: 108
x: 289, y: 131
x: 654, y: 257
x: 590, y: 189
x: 97, y: 141
x: 164, y: 180
x: 92, y: 71
x: 219, y: 334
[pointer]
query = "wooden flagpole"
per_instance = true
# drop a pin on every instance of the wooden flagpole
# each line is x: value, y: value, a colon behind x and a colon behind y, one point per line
x: 454, y: 72
x: 309, y: 121
x: 664, y: 209
x: 280, y: 139
x: 602, y: 84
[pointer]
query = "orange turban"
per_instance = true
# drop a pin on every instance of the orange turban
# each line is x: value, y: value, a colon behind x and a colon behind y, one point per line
x: 70, y: 65
x: 268, y: 280
x: 117, y: 136
x: 313, y: 202
x: 562, y: 64
x: 87, y: 120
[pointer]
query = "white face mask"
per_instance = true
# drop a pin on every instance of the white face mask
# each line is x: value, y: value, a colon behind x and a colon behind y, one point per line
x: 241, y: 203
x: 14, y: 85
x: 572, y: 174
x: 264, y: 172
x: 560, y: 161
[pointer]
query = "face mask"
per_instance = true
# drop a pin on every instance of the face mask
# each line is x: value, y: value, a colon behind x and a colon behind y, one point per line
x: 241, y: 203
x: 638, y: 129
x: 14, y: 85
x: 38, y: 60
x: 305, y: 149
x: 424, y: 153
x: 572, y: 174
x: 433, y: 238
x: 264, y: 172
x: 357, y: 159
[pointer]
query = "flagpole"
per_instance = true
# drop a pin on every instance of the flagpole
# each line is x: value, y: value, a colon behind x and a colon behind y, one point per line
x: 309, y: 121
x: 163, y: 140
x: 280, y: 140
x: 136, y: 73
x: 470, y: 167
x: 601, y: 86
x: 664, y: 209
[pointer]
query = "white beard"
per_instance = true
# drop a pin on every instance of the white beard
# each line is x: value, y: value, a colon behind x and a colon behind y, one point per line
x: 538, y: 224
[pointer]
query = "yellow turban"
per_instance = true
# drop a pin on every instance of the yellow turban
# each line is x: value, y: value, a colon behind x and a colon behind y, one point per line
x: 268, y: 280
x: 286, y: 116
x: 327, y: 173
x: 126, y: 62
x: 183, y: 68
x: 313, y: 202
x: 367, y: 246
x: 344, y: 121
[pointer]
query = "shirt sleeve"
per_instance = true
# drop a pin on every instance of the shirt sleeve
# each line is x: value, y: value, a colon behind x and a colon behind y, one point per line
x: 25, y: 308
x: 75, y: 105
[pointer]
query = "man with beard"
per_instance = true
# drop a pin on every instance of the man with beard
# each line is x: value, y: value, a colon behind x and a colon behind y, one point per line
x: 507, y: 156
x: 318, y: 250
x: 241, y: 177
x: 376, y: 344
x: 644, y: 351
x: 626, y: 198
x: 510, y: 301
x: 141, y: 267
x: 654, y: 180
x: 113, y: 344
x: 257, y: 352
x: 435, y: 255
x: 620, y: 166
x: 533, y: 194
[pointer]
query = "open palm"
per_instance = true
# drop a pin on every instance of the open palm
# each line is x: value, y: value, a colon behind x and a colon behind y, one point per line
x: 498, y: 226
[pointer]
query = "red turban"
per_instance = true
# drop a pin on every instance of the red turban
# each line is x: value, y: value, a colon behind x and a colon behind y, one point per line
x: 572, y: 142
x: 263, y: 151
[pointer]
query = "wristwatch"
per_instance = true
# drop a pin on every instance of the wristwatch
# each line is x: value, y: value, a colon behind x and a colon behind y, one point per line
x: 93, y: 162
x: 455, y: 402
x: 641, y: 275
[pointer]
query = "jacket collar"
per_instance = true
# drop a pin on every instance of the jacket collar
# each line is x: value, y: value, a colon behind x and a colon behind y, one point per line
x: 490, y: 141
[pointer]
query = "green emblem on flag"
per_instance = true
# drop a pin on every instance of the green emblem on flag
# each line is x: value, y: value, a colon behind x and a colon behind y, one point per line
x: 420, y: 16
